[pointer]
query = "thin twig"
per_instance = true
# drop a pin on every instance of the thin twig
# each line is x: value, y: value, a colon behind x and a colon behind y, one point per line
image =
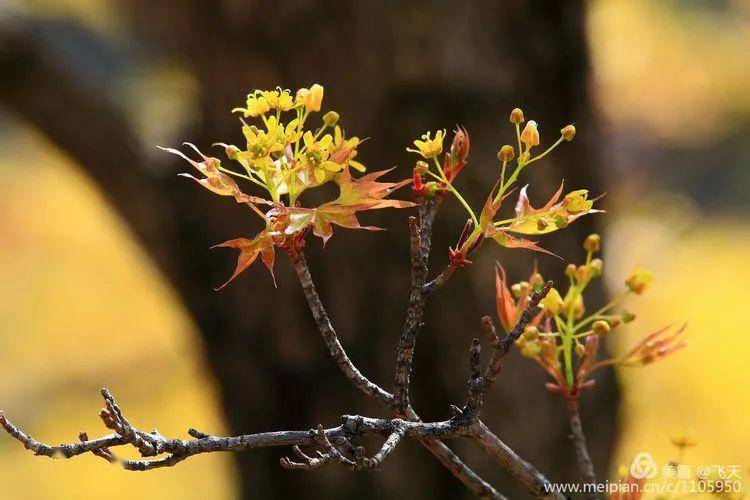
x: 329, y: 334
x: 475, y: 384
x: 501, y: 347
x: 578, y: 438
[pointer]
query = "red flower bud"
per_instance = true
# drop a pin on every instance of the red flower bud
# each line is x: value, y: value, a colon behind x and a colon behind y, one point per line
x: 457, y: 158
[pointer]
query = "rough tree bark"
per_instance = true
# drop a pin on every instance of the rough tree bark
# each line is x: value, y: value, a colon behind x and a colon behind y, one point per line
x: 393, y: 71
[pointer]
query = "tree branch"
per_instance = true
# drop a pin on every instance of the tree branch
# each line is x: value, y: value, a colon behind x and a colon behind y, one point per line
x: 414, y: 313
x: 154, y: 444
x: 329, y: 334
x: 531, y: 478
x: 444, y: 454
x: 578, y: 438
x: 475, y: 384
x: 501, y: 347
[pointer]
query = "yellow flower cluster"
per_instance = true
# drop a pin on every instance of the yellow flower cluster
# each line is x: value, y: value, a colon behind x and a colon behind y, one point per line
x: 286, y: 157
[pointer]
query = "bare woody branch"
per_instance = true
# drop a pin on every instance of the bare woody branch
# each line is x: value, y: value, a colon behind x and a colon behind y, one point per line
x: 329, y: 334
x: 413, y: 322
x: 444, y: 454
x: 578, y: 438
x: 474, y: 384
x: 501, y: 347
x: 173, y: 451
x: 523, y: 471
x: 420, y: 237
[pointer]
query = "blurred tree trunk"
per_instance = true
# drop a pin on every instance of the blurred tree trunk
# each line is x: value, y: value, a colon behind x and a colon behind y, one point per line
x: 392, y: 70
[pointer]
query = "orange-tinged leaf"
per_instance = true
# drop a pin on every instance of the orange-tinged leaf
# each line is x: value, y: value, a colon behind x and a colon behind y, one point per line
x: 509, y: 241
x: 507, y: 311
x: 490, y: 210
x: 523, y: 206
x: 249, y: 251
x: 367, y: 193
x: 326, y: 216
x: 552, y: 216
x: 215, y: 180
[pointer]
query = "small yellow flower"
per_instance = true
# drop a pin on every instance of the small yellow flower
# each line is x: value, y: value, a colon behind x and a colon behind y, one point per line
x: 261, y: 144
x: 255, y: 106
x: 344, y: 150
x: 278, y: 99
x: 530, y: 134
x: 429, y: 147
x: 310, y: 98
x: 316, y: 156
x: 576, y: 202
x: 552, y: 303
x: 639, y: 280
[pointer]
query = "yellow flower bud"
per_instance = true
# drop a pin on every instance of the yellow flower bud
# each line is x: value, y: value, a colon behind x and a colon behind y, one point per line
x: 421, y: 167
x: 627, y: 317
x: 552, y: 303
x: 331, y: 118
x: 531, y: 333
x: 573, y: 303
x: 560, y: 221
x: 596, y: 265
x: 592, y: 243
x: 568, y: 132
x: 519, y: 288
x: 580, y: 350
x: 639, y: 280
x: 600, y: 328
x: 536, y: 280
x: 516, y: 116
x: 506, y: 153
x: 310, y: 98
x: 570, y: 270
x: 530, y: 134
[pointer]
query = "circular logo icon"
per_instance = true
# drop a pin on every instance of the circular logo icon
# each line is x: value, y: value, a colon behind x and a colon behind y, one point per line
x: 643, y: 466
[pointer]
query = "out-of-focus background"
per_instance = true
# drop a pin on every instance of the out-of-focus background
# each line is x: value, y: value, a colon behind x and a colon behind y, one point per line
x: 107, y: 278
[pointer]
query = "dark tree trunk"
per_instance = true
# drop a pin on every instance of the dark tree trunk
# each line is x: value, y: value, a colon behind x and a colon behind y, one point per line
x: 392, y: 71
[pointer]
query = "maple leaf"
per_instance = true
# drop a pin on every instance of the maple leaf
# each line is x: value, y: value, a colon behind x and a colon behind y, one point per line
x: 553, y: 215
x: 507, y: 311
x: 262, y: 244
x: 365, y: 193
x: 215, y: 180
x: 500, y: 235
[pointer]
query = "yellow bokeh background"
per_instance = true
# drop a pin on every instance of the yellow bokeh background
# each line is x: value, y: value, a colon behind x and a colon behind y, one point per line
x: 86, y: 308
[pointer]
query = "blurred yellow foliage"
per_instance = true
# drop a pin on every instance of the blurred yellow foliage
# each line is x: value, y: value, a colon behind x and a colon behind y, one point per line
x: 82, y: 307
x: 701, y: 277
x: 679, y: 69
